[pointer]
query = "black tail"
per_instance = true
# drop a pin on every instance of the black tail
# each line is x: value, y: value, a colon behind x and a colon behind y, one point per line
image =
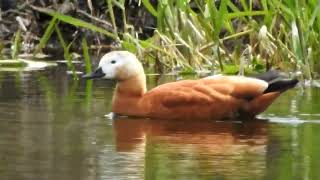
x: 271, y: 75
x: 278, y: 82
x: 281, y: 85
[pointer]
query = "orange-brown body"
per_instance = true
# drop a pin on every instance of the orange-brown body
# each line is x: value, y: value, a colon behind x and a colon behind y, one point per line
x: 209, y: 98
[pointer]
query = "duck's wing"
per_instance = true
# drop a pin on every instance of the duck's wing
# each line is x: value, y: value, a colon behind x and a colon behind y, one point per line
x: 207, y: 90
x: 240, y: 86
x: 188, y: 99
x: 185, y: 93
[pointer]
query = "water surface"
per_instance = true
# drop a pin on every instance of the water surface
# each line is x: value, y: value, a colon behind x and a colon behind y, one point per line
x: 55, y: 128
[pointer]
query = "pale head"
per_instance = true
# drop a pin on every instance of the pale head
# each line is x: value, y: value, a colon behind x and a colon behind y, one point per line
x: 118, y: 65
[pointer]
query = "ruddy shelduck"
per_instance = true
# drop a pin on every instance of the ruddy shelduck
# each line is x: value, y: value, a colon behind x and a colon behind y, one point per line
x: 213, y: 97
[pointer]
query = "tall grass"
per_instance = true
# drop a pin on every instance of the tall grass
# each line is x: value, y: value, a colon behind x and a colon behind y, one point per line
x: 299, y: 24
x: 226, y: 36
x: 16, y: 46
x: 66, y: 49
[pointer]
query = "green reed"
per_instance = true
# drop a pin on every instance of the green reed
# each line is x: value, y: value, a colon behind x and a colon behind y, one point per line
x: 231, y: 38
x: 86, y: 55
x: 16, y: 45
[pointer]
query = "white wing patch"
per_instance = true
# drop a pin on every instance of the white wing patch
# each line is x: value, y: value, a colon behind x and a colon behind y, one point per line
x: 241, y: 80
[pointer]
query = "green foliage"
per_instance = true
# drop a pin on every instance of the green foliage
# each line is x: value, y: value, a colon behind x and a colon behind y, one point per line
x: 16, y: 45
x: 79, y: 23
x: 300, y: 24
x: 206, y: 34
x: 66, y: 49
x: 86, y: 55
x: 194, y: 38
x: 46, y: 36
x: 1, y: 49
x: 149, y: 7
x: 113, y: 20
x: 16, y: 63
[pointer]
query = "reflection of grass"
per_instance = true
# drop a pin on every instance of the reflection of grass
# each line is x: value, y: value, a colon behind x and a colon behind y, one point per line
x: 48, y: 91
x: 12, y: 63
x: 70, y: 100
x: 88, y: 93
x: 229, y: 37
x: 293, y: 151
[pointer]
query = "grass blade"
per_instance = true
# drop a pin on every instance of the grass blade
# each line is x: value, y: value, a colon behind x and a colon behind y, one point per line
x: 16, y: 45
x: 80, y: 23
x: 66, y: 49
x: 47, y: 34
x: 74, y: 21
x: 149, y: 7
x: 86, y: 55
x: 111, y: 14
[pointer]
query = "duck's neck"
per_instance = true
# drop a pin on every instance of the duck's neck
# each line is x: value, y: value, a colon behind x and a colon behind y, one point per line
x: 134, y: 86
x: 127, y: 96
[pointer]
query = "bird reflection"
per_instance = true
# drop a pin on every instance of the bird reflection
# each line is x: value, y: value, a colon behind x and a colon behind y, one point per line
x: 211, y: 136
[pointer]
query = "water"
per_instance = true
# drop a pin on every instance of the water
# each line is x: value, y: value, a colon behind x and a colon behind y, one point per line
x: 54, y: 128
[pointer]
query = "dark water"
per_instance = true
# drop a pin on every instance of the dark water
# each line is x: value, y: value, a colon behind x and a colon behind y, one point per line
x: 54, y: 128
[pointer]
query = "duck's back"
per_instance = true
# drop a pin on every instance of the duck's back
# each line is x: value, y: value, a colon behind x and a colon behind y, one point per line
x: 209, y: 98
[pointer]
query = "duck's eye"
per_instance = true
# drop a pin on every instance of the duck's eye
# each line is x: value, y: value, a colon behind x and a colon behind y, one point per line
x: 113, y: 61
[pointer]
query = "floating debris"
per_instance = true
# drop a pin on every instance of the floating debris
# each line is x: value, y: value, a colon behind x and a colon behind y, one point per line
x: 24, y: 65
x: 74, y: 72
x: 66, y: 62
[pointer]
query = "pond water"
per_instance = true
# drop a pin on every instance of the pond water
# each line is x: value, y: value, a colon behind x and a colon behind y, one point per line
x: 55, y: 128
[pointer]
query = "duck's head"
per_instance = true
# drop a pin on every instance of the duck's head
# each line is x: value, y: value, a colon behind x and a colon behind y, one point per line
x: 117, y: 65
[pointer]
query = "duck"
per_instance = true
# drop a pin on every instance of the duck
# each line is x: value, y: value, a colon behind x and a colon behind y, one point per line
x: 213, y: 97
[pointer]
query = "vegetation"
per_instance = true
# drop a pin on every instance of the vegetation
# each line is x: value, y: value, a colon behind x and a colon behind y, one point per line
x: 225, y: 36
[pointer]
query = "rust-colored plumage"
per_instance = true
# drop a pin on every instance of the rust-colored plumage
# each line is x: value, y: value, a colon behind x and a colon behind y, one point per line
x: 209, y: 137
x: 214, y: 97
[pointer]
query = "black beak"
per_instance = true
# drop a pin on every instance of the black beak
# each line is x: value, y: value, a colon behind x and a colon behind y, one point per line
x: 98, y: 73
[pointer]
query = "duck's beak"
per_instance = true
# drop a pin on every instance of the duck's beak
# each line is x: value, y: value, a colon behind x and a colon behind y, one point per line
x: 98, y: 73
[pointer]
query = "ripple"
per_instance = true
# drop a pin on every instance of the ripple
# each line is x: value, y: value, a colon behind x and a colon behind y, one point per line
x: 291, y: 120
x: 315, y: 115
